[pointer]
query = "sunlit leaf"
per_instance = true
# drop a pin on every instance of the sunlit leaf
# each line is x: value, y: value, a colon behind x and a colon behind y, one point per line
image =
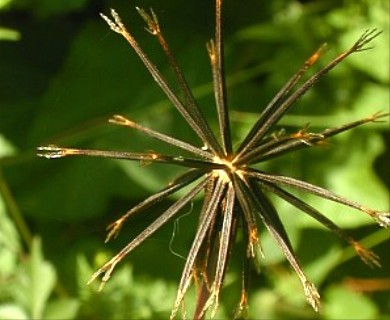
x: 342, y: 303
x: 12, y: 312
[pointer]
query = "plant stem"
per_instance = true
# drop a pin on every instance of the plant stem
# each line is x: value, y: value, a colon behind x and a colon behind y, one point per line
x: 15, y: 212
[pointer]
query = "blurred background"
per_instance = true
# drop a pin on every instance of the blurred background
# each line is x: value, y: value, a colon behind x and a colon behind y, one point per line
x: 63, y: 73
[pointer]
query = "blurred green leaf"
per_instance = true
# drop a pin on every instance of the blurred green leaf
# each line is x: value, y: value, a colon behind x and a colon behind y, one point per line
x: 344, y: 176
x: 371, y: 99
x: 4, y: 3
x: 372, y: 62
x: 124, y: 297
x: 9, y: 34
x: 342, y: 303
x: 347, y: 180
x: 62, y: 309
x: 46, y: 8
x: 6, y: 147
x: 69, y: 73
x: 12, y: 312
x: 37, y: 280
x: 9, y: 243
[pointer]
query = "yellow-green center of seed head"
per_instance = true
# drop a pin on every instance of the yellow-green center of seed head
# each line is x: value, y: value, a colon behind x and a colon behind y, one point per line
x: 229, y: 169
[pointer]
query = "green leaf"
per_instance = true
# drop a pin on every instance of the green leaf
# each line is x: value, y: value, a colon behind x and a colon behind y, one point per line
x: 342, y: 303
x: 62, y: 309
x: 9, y: 34
x: 372, y: 98
x: 357, y: 180
x: 4, y: 3
x: 374, y: 61
x: 9, y: 242
x: 73, y: 190
x: 351, y: 176
x: 83, y: 274
x: 46, y: 8
x: 37, y: 280
x: 319, y: 269
x: 12, y: 312
x: 123, y: 297
x: 6, y: 147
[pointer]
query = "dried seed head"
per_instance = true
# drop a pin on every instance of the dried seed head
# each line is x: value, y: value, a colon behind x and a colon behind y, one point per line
x: 234, y: 191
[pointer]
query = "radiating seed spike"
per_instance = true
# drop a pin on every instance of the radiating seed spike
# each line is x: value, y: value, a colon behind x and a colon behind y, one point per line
x: 150, y: 19
x: 120, y: 120
x: 113, y: 26
x: 312, y: 295
x: 114, y: 229
x: 366, y: 37
x: 117, y: 19
x: 383, y: 219
x: 51, y: 152
x: 367, y: 256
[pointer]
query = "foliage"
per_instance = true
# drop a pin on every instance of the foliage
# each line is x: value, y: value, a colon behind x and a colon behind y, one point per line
x: 68, y: 73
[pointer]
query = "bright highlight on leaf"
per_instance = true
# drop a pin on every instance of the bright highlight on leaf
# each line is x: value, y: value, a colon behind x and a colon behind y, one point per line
x: 235, y: 193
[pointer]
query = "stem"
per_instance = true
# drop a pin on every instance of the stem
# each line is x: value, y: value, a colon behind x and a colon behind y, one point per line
x: 15, y: 213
